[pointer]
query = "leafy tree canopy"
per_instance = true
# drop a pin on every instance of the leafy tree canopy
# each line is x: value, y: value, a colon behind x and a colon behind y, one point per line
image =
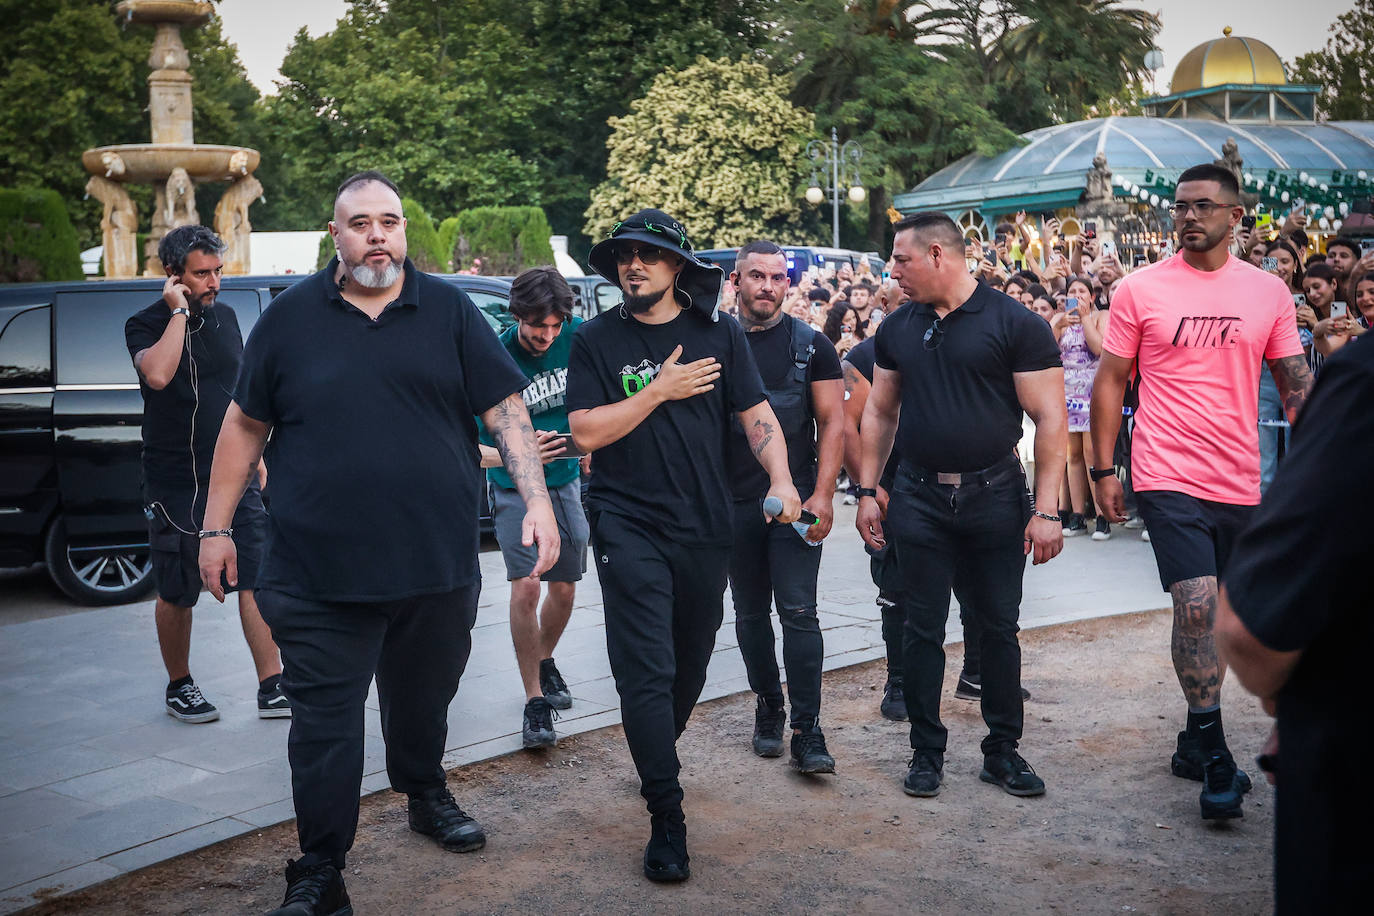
x: 1344, y: 68
x: 717, y: 145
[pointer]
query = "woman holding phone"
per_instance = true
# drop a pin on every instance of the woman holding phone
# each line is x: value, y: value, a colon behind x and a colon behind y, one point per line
x: 1079, y: 329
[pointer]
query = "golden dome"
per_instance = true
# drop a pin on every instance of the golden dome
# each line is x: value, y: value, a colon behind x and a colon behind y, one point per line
x: 1246, y: 61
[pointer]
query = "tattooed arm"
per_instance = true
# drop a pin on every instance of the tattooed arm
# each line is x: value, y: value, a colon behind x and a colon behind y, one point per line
x: 238, y: 453
x: 1294, y: 380
x: 510, y: 426
x: 766, y: 442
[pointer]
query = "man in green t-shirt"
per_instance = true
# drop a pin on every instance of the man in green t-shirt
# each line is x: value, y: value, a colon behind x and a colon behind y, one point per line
x: 542, y: 304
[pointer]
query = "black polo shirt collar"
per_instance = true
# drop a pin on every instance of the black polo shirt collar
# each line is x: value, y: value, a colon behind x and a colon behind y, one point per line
x: 974, y: 303
x: 409, y: 296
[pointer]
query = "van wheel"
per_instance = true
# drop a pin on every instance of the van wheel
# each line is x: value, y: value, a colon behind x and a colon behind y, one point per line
x: 98, y: 575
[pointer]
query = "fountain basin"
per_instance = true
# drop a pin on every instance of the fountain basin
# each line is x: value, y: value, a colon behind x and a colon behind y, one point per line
x: 182, y: 12
x: 146, y: 163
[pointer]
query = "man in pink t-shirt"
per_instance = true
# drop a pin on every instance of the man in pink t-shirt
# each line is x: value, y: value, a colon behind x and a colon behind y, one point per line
x: 1196, y: 325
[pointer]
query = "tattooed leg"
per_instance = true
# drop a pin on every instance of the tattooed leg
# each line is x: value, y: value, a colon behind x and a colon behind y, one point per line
x: 1199, y: 671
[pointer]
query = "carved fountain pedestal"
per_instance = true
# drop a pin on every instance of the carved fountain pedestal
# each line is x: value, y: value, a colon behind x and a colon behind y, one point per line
x: 173, y: 162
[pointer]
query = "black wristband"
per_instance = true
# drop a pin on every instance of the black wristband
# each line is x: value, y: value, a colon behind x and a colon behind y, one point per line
x: 1098, y: 473
x: 861, y: 492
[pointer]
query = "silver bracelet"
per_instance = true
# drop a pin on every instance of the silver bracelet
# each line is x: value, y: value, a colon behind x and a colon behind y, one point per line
x: 218, y: 533
x: 1036, y: 512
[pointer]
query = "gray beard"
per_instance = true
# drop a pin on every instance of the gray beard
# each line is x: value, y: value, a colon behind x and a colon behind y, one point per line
x: 375, y: 278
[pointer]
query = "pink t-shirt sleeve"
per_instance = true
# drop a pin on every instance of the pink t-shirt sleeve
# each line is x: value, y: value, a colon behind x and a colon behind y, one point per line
x: 1123, y: 328
x: 1283, y: 336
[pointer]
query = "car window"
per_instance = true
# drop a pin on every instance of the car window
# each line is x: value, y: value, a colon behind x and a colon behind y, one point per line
x: 90, y: 332
x: 26, y: 350
x: 493, y: 306
x: 607, y: 297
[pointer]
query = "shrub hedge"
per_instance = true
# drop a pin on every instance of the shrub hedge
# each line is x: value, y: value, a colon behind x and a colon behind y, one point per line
x: 37, y: 241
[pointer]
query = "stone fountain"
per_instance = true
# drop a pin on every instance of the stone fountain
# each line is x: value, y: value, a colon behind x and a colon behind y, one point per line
x: 173, y: 162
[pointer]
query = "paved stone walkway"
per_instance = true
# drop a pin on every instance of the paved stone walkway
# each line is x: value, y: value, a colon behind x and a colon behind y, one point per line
x: 96, y: 780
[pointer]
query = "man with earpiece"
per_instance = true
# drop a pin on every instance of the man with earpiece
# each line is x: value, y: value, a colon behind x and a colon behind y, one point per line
x: 187, y: 354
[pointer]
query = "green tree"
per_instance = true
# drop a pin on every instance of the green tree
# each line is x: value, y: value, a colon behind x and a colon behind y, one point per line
x: 37, y: 241
x: 1344, y: 68
x: 422, y: 239
x: 717, y: 145
x: 880, y: 73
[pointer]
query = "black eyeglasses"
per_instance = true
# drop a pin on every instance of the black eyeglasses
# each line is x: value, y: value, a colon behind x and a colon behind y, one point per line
x: 647, y: 254
x: 934, y: 336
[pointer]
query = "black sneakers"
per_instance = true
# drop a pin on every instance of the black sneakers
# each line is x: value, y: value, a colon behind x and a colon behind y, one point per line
x: 555, y: 689
x: 970, y: 687
x: 314, y: 890
x: 1103, y: 530
x: 1073, y: 525
x: 768, y: 726
x: 435, y: 814
x: 274, y: 705
x: 1010, y: 771
x: 1221, y: 793
x: 808, y: 751
x: 188, y: 704
x: 1189, y: 762
x: 665, y: 856
x: 893, y: 705
x: 925, y: 774
x: 538, y: 726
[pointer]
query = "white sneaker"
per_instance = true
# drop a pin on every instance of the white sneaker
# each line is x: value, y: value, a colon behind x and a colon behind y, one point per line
x: 849, y: 500
x: 1134, y: 522
x: 1145, y: 535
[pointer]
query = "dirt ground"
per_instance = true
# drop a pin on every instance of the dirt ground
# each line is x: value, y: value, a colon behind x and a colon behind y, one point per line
x: 1116, y: 832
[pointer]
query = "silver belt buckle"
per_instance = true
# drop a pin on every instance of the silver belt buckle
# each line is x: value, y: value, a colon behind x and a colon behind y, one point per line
x: 953, y: 480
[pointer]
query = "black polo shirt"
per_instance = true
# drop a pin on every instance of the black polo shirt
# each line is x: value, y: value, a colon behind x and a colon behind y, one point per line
x: 959, y: 406
x: 373, y: 454
x: 671, y: 471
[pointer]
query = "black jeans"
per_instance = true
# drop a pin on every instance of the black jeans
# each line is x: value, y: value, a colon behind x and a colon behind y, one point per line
x: 884, y: 569
x: 771, y: 564
x: 978, y: 530
x: 663, y: 603
x: 417, y: 648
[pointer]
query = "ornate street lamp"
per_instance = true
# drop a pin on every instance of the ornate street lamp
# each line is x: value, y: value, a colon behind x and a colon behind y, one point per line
x: 834, y: 157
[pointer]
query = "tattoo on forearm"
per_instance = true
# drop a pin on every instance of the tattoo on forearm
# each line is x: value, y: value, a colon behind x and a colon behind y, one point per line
x: 1294, y: 380
x: 760, y: 434
x: 514, y: 434
x: 1194, y: 649
x: 851, y: 378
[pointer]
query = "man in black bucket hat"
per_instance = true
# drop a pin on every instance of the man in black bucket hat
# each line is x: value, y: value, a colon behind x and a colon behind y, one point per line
x: 652, y: 387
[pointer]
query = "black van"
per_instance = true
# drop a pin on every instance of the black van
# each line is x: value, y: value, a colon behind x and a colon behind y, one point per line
x: 70, y: 424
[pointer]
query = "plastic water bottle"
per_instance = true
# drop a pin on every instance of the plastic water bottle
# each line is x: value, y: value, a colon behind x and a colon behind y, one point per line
x: 772, y: 507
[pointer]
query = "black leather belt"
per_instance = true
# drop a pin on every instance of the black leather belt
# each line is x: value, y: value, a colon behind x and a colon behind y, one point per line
x: 987, y: 475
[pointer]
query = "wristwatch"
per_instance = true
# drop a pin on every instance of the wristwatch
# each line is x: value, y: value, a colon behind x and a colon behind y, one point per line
x: 1098, y: 473
x: 182, y: 310
x: 861, y: 492
x: 217, y: 533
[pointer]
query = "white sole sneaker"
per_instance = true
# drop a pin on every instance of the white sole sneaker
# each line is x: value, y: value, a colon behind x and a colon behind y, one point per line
x: 195, y: 719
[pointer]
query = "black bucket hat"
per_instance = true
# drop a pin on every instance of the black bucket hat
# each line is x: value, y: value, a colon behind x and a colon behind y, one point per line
x: 697, y: 286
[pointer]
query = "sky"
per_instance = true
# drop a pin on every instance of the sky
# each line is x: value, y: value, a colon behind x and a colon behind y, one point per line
x: 263, y: 29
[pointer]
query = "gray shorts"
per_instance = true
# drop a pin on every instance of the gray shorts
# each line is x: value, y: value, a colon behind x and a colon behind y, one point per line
x: 508, y: 516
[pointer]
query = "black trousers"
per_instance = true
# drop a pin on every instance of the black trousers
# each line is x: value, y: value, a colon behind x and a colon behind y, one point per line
x: 770, y: 564
x: 977, y: 529
x: 416, y: 647
x: 886, y: 575
x: 664, y: 603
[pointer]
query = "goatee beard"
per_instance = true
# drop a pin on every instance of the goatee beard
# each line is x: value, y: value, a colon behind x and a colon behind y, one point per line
x: 638, y: 305
x: 376, y: 278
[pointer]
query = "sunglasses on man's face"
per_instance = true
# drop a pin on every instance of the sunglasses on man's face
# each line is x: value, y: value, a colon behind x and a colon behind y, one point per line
x: 647, y: 254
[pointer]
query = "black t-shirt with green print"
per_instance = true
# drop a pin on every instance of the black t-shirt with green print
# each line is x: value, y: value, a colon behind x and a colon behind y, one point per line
x: 672, y: 471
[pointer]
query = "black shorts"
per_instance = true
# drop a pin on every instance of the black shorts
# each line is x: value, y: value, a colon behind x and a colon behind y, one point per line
x: 176, y: 554
x: 1191, y: 537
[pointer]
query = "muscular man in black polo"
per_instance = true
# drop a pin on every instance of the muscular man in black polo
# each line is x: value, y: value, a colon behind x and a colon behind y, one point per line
x: 652, y: 388
x: 772, y: 563
x: 187, y: 353
x: 368, y: 376
x: 959, y: 364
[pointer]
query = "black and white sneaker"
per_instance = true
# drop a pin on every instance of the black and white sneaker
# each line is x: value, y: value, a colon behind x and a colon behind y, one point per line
x: 552, y: 685
x: 970, y: 687
x: 1103, y: 530
x: 188, y: 704
x: 274, y: 705
x: 537, y: 728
